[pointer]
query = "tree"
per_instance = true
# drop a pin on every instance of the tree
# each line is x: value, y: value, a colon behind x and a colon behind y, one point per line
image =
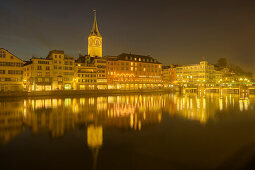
x: 222, y: 62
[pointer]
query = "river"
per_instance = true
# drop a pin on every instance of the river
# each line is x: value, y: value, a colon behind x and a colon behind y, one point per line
x: 142, y: 131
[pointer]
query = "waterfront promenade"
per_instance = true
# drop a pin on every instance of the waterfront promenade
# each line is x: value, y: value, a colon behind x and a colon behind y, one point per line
x: 71, y: 93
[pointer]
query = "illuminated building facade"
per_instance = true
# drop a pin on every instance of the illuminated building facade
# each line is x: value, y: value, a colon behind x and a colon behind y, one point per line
x: 85, y: 74
x: 11, y: 71
x: 38, y: 74
x: 101, y: 65
x: 197, y: 74
x: 130, y: 71
x: 90, y: 73
x: 168, y: 75
x: 63, y: 70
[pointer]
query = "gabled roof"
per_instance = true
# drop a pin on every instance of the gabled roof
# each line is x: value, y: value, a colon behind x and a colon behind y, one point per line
x: 11, y: 54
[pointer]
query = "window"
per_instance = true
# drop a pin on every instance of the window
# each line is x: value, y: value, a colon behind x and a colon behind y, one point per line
x: 15, y: 72
x: 59, y: 56
x: 13, y: 64
x: 39, y: 67
x: 39, y: 74
x: 2, y: 54
x: 2, y: 71
x: 47, y: 68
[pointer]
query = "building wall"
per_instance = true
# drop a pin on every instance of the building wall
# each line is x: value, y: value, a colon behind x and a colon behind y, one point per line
x: 11, y: 71
x: 169, y: 75
x: 198, y: 74
x: 63, y: 70
x: 38, y: 75
x: 101, y: 69
x: 133, y: 72
x: 85, y: 77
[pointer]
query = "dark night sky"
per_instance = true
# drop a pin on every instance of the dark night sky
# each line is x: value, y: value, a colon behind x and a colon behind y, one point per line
x: 173, y: 31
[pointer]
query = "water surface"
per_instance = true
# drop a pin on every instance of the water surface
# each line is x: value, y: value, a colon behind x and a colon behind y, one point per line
x: 148, y: 131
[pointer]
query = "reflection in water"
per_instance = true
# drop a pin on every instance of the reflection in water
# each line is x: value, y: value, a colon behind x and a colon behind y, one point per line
x: 131, y: 112
x: 94, y: 141
x: 11, y: 120
x: 58, y: 116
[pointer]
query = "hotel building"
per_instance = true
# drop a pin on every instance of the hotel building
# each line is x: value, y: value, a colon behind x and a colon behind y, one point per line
x: 11, y: 71
x: 130, y: 71
x: 197, y: 74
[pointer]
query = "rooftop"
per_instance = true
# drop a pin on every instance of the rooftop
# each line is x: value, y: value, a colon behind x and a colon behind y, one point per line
x: 133, y: 57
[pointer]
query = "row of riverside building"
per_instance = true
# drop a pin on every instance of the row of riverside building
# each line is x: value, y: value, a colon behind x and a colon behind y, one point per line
x: 58, y: 71
x: 126, y: 71
x: 61, y: 72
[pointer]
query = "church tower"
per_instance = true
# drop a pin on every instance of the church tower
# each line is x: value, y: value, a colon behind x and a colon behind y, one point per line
x: 95, y: 40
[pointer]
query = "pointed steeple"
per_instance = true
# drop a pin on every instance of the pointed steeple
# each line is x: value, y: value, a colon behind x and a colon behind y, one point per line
x: 95, y: 31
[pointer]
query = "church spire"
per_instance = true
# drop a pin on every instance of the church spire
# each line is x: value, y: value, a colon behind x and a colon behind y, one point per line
x: 95, y: 31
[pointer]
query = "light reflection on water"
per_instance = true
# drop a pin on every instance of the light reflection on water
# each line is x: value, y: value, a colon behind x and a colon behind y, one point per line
x: 130, y: 112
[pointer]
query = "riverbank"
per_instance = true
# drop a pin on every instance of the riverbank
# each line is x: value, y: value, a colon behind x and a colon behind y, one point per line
x: 76, y: 93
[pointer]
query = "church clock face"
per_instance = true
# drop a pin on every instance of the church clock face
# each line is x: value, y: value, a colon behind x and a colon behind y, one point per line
x: 91, y: 42
x: 97, y: 42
